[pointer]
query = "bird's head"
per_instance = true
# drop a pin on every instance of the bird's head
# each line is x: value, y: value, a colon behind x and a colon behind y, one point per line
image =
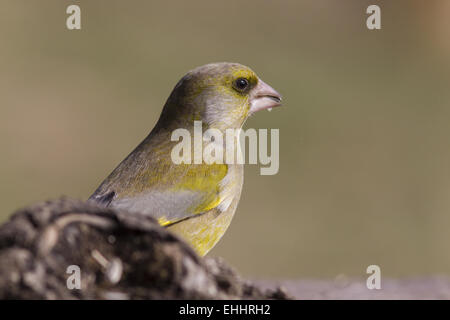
x: 221, y: 95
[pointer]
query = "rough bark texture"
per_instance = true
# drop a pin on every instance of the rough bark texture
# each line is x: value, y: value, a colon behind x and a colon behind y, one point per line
x: 121, y: 256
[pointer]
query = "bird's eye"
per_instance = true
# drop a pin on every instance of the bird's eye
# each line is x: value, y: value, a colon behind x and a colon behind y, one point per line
x: 241, y: 84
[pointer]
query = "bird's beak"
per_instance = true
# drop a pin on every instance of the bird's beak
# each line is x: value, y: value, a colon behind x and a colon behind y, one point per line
x: 263, y: 97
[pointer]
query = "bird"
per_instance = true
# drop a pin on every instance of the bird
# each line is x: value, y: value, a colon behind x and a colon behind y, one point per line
x: 195, y: 201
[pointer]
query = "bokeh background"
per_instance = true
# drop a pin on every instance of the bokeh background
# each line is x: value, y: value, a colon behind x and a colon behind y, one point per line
x: 365, y: 128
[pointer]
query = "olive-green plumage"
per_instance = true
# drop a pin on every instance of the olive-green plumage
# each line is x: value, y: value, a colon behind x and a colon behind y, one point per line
x: 197, y: 201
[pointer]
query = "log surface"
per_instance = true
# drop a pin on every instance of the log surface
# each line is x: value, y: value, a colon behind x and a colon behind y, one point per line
x: 120, y: 255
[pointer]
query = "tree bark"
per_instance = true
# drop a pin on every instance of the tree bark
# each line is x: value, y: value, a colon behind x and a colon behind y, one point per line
x: 120, y: 255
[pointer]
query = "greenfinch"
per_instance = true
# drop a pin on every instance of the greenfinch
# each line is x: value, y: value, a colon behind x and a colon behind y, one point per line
x: 196, y: 201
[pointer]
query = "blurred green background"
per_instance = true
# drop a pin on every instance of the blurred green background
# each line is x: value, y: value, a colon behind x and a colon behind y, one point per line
x: 365, y: 128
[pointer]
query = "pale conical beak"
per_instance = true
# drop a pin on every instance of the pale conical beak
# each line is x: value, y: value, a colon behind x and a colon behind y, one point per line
x: 263, y: 97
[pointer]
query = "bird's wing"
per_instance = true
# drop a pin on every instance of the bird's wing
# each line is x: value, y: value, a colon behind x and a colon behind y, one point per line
x: 170, y: 193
